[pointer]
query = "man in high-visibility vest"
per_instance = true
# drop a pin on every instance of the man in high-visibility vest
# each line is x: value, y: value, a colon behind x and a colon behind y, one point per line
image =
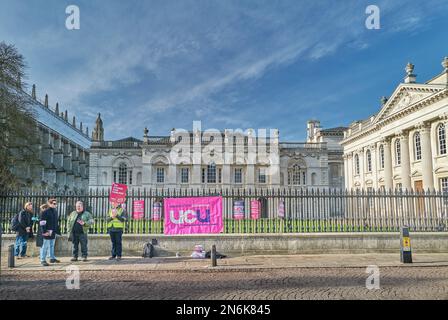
x: 115, y: 226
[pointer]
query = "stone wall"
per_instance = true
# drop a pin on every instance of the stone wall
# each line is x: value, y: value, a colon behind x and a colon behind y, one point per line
x: 241, y: 244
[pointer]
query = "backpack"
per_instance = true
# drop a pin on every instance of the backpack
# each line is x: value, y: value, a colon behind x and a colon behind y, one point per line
x: 148, y: 250
x: 15, y: 222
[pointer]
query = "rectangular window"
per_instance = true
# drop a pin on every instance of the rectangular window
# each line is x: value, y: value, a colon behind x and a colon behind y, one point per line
x: 262, y: 175
x: 444, y: 189
x: 219, y: 175
x: 130, y: 176
x: 115, y: 176
x: 203, y: 175
x: 211, y: 173
x: 160, y: 175
x: 444, y: 185
x: 238, y: 175
x: 184, y: 175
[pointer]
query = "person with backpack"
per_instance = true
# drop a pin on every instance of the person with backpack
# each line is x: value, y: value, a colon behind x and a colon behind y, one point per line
x: 115, y: 225
x: 78, y: 224
x: 22, y: 224
x: 50, y: 227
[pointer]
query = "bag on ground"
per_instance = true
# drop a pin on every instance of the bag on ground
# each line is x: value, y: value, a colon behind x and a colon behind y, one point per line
x: 148, y: 251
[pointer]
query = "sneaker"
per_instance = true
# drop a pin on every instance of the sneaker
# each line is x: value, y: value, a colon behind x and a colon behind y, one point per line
x: 74, y: 259
x: 25, y: 256
x: 54, y: 261
x: 118, y: 258
x: 111, y: 258
x: 44, y: 263
x: 84, y: 259
x: 18, y: 258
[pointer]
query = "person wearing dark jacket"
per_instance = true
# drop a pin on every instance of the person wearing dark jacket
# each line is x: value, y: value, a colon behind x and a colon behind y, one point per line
x: 39, y: 237
x: 50, y: 227
x: 23, y: 230
x: 115, y: 225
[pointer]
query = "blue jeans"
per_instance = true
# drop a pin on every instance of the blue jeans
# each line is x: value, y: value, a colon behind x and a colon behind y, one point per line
x: 47, y: 248
x: 20, y: 246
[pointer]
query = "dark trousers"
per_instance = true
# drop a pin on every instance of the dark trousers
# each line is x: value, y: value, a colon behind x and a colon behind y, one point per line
x: 116, y: 238
x: 79, y: 238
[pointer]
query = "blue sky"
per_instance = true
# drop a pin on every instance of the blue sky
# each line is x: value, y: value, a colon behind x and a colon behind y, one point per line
x: 231, y: 64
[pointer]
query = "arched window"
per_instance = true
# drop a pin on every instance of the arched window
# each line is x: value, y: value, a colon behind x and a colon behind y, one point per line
x: 122, y: 173
x: 441, y: 134
x: 417, y: 146
x: 382, y: 157
x: 356, y: 164
x: 369, y: 161
x: 295, y: 175
x: 397, y: 152
x: 313, y: 178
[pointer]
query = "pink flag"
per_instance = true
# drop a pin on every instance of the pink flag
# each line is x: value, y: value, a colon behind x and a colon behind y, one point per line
x: 193, y: 215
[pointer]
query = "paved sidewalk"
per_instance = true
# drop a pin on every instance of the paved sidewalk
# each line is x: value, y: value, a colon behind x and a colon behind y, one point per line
x: 240, y: 263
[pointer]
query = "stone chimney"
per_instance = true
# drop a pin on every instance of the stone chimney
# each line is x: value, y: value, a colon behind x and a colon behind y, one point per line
x: 46, y: 101
x: 56, y: 110
x: 312, y: 129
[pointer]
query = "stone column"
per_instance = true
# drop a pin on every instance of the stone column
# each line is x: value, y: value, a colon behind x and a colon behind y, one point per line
x: 346, y: 182
x: 362, y: 167
x: 387, y: 164
x: 427, y: 167
x: 405, y: 161
x: 350, y: 170
x: 374, y: 159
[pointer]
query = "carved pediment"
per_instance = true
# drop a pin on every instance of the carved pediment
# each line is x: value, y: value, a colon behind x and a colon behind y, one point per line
x: 404, y: 97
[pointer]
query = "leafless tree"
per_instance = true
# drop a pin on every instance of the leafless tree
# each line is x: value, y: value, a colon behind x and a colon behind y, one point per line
x: 19, y: 149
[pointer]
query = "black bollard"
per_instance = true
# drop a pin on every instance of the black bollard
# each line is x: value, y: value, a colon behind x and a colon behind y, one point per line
x: 213, y: 256
x: 11, y: 258
x: 405, y: 245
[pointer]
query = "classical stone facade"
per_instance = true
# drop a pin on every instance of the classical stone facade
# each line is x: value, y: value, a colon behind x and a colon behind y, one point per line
x: 213, y: 159
x: 63, y: 150
x: 403, y: 146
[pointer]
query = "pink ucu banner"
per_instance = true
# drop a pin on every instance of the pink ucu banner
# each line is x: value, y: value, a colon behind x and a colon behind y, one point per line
x: 193, y: 215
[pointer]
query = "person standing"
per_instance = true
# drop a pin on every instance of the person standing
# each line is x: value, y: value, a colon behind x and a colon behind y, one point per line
x: 115, y: 226
x: 78, y: 224
x: 50, y: 227
x: 23, y: 230
x: 39, y: 237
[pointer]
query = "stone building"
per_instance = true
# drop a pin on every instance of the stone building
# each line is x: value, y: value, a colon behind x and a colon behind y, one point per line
x: 215, y: 159
x: 403, y: 146
x: 63, y: 150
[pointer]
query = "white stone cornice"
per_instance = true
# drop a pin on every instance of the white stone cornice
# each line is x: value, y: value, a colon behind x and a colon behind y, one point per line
x: 377, y: 126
